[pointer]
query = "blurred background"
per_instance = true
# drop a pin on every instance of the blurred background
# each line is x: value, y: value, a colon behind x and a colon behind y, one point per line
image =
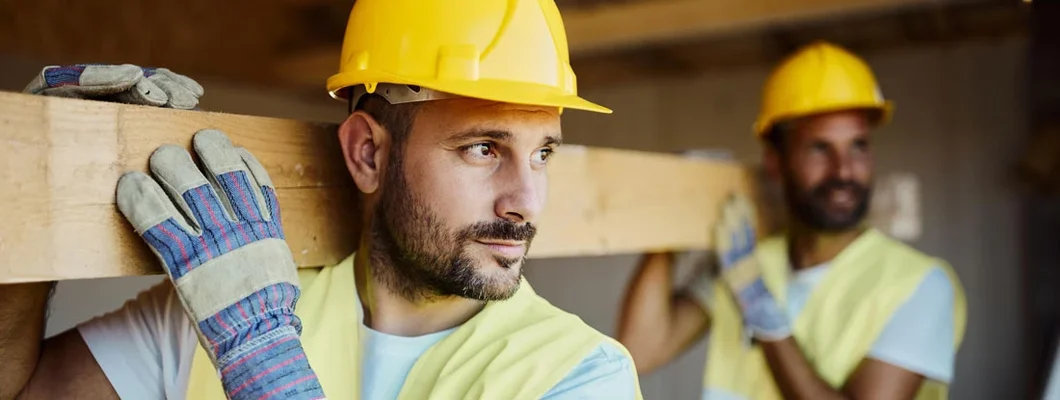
x: 970, y: 160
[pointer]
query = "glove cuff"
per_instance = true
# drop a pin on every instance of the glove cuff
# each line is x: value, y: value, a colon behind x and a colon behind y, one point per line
x: 270, y: 365
x: 771, y: 335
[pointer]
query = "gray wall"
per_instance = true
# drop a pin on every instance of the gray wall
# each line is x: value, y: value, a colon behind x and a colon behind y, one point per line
x: 958, y: 126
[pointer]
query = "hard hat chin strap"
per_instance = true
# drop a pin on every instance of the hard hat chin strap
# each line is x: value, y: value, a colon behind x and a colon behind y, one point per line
x: 398, y: 93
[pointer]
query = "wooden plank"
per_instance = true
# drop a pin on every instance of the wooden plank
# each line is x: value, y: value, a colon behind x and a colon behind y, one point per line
x: 60, y: 160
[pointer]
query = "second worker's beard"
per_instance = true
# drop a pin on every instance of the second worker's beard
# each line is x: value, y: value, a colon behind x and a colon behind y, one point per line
x: 811, y: 207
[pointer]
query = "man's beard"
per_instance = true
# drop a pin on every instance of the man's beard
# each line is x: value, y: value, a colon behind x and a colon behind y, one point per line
x: 419, y: 258
x: 810, y: 207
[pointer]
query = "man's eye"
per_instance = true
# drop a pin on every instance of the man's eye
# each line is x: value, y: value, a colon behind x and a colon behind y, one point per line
x: 480, y: 150
x: 543, y: 155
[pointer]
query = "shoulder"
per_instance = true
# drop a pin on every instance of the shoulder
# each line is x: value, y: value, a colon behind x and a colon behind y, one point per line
x: 935, y: 290
x: 898, y: 263
x: 939, y: 279
x: 934, y: 297
x: 606, y: 373
x: 909, y: 255
x: 920, y: 335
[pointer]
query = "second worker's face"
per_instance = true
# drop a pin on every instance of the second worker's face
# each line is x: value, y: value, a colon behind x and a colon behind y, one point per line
x: 827, y: 170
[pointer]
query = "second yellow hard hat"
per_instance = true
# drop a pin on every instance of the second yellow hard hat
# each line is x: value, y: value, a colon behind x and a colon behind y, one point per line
x: 818, y: 78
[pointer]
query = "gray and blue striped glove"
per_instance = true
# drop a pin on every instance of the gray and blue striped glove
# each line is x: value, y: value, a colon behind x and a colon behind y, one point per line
x: 125, y: 83
x: 735, y: 240
x: 221, y: 242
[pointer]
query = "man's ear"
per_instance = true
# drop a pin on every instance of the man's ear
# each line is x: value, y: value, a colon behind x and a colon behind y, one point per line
x: 365, y: 145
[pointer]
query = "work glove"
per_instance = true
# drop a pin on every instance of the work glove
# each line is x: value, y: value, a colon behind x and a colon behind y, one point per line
x: 735, y: 240
x: 126, y: 83
x: 220, y: 241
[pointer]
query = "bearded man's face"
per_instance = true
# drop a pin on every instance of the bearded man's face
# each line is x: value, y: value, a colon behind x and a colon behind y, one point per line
x: 460, y: 197
x: 826, y: 170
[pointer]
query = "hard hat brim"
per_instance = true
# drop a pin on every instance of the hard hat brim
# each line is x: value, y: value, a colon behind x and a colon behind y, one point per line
x: 485, y: 89
x: 886, y: 110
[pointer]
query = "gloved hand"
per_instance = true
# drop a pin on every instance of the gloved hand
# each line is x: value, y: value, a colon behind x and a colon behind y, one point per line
x: 124, y: 83
x: 228, y: 260
x: 735, y: 244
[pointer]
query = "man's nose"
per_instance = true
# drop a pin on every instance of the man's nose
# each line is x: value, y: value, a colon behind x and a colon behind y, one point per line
x: 842, y: 167
x: 522, y: 193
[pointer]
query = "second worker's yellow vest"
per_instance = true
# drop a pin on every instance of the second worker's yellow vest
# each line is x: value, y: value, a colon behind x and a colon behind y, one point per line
x: 513, y: 349
x: 863, y: 287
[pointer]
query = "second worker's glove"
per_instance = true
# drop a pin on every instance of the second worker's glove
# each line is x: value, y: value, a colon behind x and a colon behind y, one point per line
x: 221, y: 242
x: 735, y: 240
x: 125, y: 83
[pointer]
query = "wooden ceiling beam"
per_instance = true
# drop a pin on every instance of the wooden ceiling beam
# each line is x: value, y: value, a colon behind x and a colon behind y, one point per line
x: 235, y: 40
x: 293, y: 45
x: 952, y: 22
x: 639, y: 34
x: 608, y: 28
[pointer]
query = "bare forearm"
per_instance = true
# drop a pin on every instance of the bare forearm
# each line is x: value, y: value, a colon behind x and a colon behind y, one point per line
x: 655, y: 324
x: 646, y: 309
x: 67, y: 370
x: 794, y: 375
x: 22, y: 315
x: 32, y: 368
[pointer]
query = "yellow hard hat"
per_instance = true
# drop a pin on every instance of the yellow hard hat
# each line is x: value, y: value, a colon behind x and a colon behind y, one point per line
x: 819, y: 77
x: 512, y: 51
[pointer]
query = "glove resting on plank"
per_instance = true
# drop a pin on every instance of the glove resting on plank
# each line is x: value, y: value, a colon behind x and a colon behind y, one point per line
x: 124, y: 83
x: 220, y: 240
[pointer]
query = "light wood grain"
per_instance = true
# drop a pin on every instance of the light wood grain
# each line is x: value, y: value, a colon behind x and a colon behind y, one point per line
x: 60, y: 160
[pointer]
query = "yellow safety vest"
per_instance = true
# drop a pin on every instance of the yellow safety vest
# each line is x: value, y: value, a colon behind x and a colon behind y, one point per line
x: 514, y: 349
x: 864, y: 285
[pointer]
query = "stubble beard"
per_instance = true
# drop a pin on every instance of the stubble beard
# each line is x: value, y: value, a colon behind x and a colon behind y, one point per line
x: 810, y: 206
x: 417, y: 257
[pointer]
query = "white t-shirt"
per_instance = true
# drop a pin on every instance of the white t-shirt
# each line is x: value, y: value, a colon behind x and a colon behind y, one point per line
x: 146, y: 347
x: 918, y: 338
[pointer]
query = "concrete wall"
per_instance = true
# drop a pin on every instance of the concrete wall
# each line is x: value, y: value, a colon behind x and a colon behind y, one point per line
x: 959, y: 126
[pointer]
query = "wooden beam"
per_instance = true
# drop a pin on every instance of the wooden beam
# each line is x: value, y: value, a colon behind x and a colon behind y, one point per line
x: 200, y: 38
x: 637, y: 24
x: 60, y: 160
x: 965, y: 21
x: 615, y: 41
x: 295, y: 45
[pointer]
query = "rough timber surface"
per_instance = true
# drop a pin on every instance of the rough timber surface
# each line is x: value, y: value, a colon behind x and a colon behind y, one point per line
x: 60, y: 160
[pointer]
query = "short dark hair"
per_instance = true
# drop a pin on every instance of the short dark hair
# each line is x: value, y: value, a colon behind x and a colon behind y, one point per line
x: 396, y: 118
x: 777, y: 134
